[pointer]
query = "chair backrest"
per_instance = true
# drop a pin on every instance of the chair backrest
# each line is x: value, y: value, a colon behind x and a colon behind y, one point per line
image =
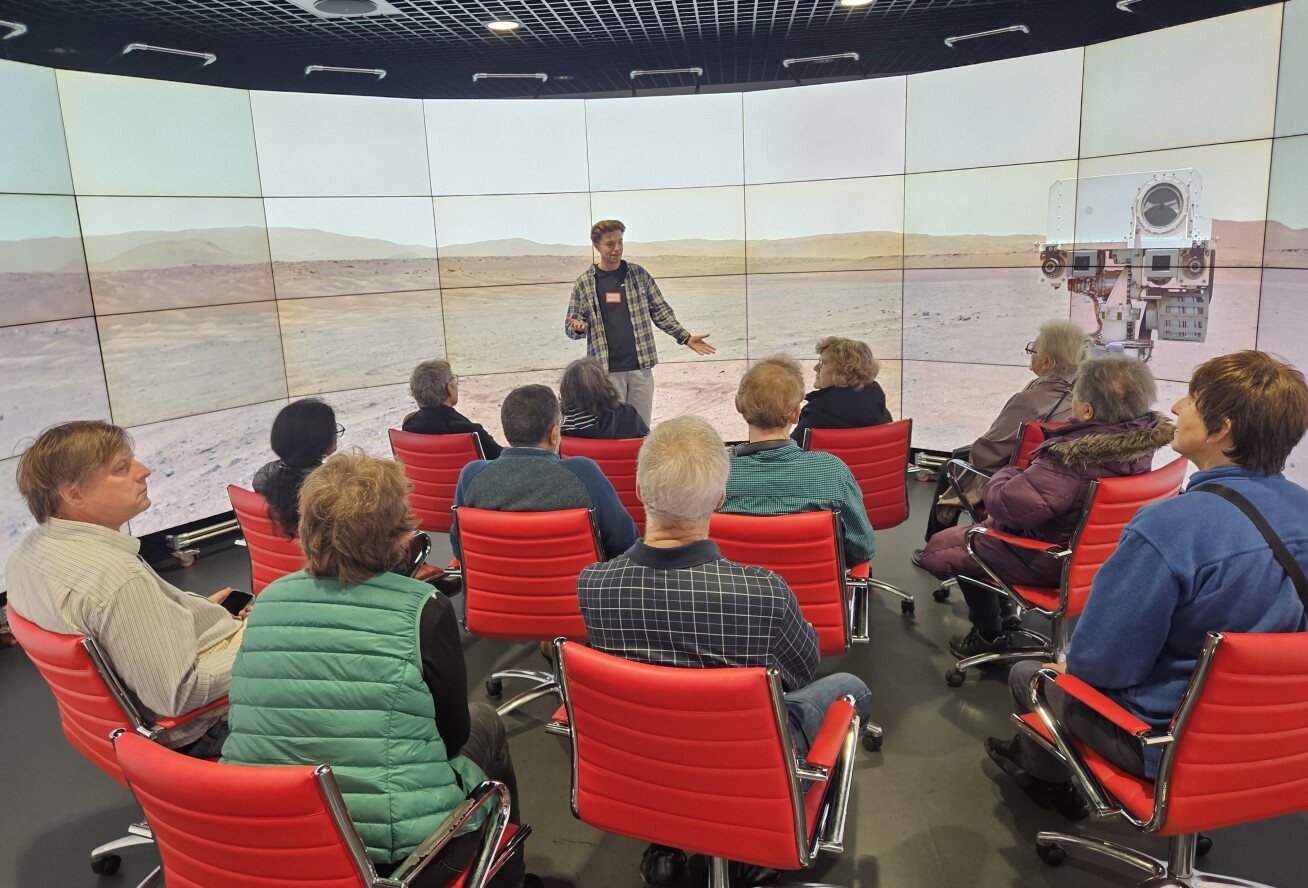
x: 520, y: 571
x: 1241, y: 752
x: 617, y: 460
x: 804, y: 548
x: 243, y: 826
x: 878, y: 457
x: 697, y: 759
x: 432, y: 464
x: 1112, y: 503
x: 88, y: 709
x: 272, y: 554
x: 1031, y: 435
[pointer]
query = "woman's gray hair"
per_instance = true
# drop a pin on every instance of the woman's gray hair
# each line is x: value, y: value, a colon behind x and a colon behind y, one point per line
x: 1063, y: 342
x: 1117, y: 388
x: 681, y: 473
x: 430, y: 382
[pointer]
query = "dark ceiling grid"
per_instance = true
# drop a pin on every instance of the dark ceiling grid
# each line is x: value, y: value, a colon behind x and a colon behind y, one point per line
x: 586, y: 47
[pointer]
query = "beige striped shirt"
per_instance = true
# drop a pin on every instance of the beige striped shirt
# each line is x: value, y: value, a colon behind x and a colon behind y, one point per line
x: 172, y: 649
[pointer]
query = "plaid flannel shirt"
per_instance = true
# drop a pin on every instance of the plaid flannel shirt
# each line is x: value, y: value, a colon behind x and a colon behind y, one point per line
x: 645, y: 303
x: 688, y: 606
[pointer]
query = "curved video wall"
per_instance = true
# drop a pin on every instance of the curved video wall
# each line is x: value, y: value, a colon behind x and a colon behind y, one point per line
x: 185, y: 259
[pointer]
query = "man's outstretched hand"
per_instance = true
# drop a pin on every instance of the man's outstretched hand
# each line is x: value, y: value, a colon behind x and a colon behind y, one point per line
x: 579, y: 326
x: 699, y: 346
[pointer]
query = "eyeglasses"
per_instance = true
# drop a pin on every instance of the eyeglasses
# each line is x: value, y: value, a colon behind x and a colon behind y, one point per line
x: 340, y: 430
x: 1030, y: 348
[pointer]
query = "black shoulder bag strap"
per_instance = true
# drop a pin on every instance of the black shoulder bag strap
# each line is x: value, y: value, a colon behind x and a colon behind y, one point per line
x: 1054, y: 409
x: 1278, y: 547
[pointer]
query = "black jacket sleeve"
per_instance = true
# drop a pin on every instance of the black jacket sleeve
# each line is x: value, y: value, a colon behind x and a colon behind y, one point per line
x: 444, y: 672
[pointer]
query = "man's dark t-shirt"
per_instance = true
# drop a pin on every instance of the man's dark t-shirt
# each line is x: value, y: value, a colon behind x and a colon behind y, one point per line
x: 616, y: 315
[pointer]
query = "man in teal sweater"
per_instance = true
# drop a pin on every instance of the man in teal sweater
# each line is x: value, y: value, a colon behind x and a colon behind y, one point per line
x: 770, y: 475
x: 1184, y: 567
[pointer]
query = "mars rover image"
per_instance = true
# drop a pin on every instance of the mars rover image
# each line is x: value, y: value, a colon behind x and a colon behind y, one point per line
x: 1137, y: 246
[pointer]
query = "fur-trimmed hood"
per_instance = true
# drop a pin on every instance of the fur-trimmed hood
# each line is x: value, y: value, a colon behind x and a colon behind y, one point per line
x: 1093, y: 444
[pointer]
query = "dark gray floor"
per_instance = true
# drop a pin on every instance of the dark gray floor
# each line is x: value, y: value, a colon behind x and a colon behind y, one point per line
x: 927, y: 812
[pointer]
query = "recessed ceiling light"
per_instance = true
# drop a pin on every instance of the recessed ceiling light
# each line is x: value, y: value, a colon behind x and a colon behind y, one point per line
x: 346, y: 7
x: 504, y: 26
x: 854, y: 4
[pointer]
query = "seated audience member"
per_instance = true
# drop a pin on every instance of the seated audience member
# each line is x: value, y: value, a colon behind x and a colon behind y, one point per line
x: 846, y: 394
x: 435, y: 388
x: 1184, y: 567
x: 529, y: 476
x: 1055, y: 354
x: 303, y: 435
x: 673, y: 600
x: 347, y: 664
x: 78, y: 574
x: 1113, y: 433
x: 770, y: 475
x: 592, y: 407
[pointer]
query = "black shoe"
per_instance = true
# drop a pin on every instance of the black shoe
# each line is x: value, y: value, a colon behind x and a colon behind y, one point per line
x: 917, y: 558
x: 531, y: 880
x: 746, y: 875
x: 1061, y: 797
x: 662, y: 867
x: 974, y: 643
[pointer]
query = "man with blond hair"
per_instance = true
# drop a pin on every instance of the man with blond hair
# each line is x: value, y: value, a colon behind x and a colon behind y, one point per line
x: 770, y: 475
x: 78, y: 574
x: 673, y: 600
x: 612, y: 306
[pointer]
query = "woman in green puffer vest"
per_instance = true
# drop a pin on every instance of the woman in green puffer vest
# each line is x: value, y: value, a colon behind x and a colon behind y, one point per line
x: 348, y: 664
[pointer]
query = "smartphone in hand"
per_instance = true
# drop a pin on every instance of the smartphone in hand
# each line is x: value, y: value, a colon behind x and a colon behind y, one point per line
x: 236, y: 601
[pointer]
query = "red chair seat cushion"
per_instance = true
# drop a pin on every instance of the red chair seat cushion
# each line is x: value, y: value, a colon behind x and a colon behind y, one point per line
x: 1135, y: 794
x: 1043, y: 597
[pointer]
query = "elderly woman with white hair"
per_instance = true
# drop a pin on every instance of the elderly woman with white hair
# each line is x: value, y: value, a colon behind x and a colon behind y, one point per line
x: 1114, y: 432
x: 435, y: 388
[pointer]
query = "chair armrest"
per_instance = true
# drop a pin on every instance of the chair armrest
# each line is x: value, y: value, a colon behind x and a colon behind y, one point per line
x: 487, y: 792
x: 830, y: 739
x: 1102, y: 706
x: 955, y: 469
x: 1054, y: 550
x: 168, y: 722
x: 860, y: 571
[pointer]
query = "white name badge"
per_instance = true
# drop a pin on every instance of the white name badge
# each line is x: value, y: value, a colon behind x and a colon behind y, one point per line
x: 613, y: 297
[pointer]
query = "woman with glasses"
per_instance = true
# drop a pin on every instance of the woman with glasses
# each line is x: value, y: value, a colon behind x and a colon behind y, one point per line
x: 1055, y: 354
x: 435, y: 389
x: 303, y: 435
x: 845, y: 392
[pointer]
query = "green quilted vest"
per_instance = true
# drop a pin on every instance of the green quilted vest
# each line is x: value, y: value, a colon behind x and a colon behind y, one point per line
x: 332, y: 674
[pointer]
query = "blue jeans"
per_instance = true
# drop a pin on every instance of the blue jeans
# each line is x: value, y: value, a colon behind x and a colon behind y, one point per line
x: 807, y: 706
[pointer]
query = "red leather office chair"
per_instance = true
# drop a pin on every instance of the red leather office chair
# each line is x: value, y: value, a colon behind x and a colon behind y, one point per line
x: 702, y: 760
x: 1030, y: 435
x: 878, y: 458
x: 520, y: 581
x: 617, y: 460
x: 1236, y: 752
x: 281, y: 827
x: 432, y: 464
x: 272, y: 554
x: 1111, y: 504
x: 92, y: 704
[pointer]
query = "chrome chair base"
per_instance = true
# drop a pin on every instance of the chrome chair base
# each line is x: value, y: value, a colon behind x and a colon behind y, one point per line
x: 544, y: 684
x: 155, y: 879
x: 907, y: 605
x: 1177, y: 872
x: 719, y: 877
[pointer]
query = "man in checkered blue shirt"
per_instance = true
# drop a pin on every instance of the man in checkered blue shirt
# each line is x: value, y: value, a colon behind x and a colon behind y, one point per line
x: 672, y: 599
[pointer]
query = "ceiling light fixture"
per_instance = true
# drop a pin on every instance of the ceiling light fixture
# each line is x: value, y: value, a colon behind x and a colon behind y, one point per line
x: 379, y: 73
x: 950, y: 41
x: 504, y: 26
x: 855, y: 4
x: 1125, y: 5
x: 541, y: 76
x: 820, y: 59
x: 207, y: 58
x: 345, y: 7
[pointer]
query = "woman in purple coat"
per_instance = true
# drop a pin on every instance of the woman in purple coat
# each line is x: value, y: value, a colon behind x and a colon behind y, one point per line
x: 1113, y: 433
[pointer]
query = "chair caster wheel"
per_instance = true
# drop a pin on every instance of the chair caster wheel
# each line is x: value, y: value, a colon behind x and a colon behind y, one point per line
x: 1203, y: 845
x: 1051, y: 855
x: 872, y: 742
x: 941, y: 594
x: 494, y: 687
x: 107, y: 865
x: 954, y: 678
x: 907, y: 607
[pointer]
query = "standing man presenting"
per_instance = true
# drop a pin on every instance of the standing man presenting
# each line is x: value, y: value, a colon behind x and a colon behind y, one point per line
x: 612, y: 305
